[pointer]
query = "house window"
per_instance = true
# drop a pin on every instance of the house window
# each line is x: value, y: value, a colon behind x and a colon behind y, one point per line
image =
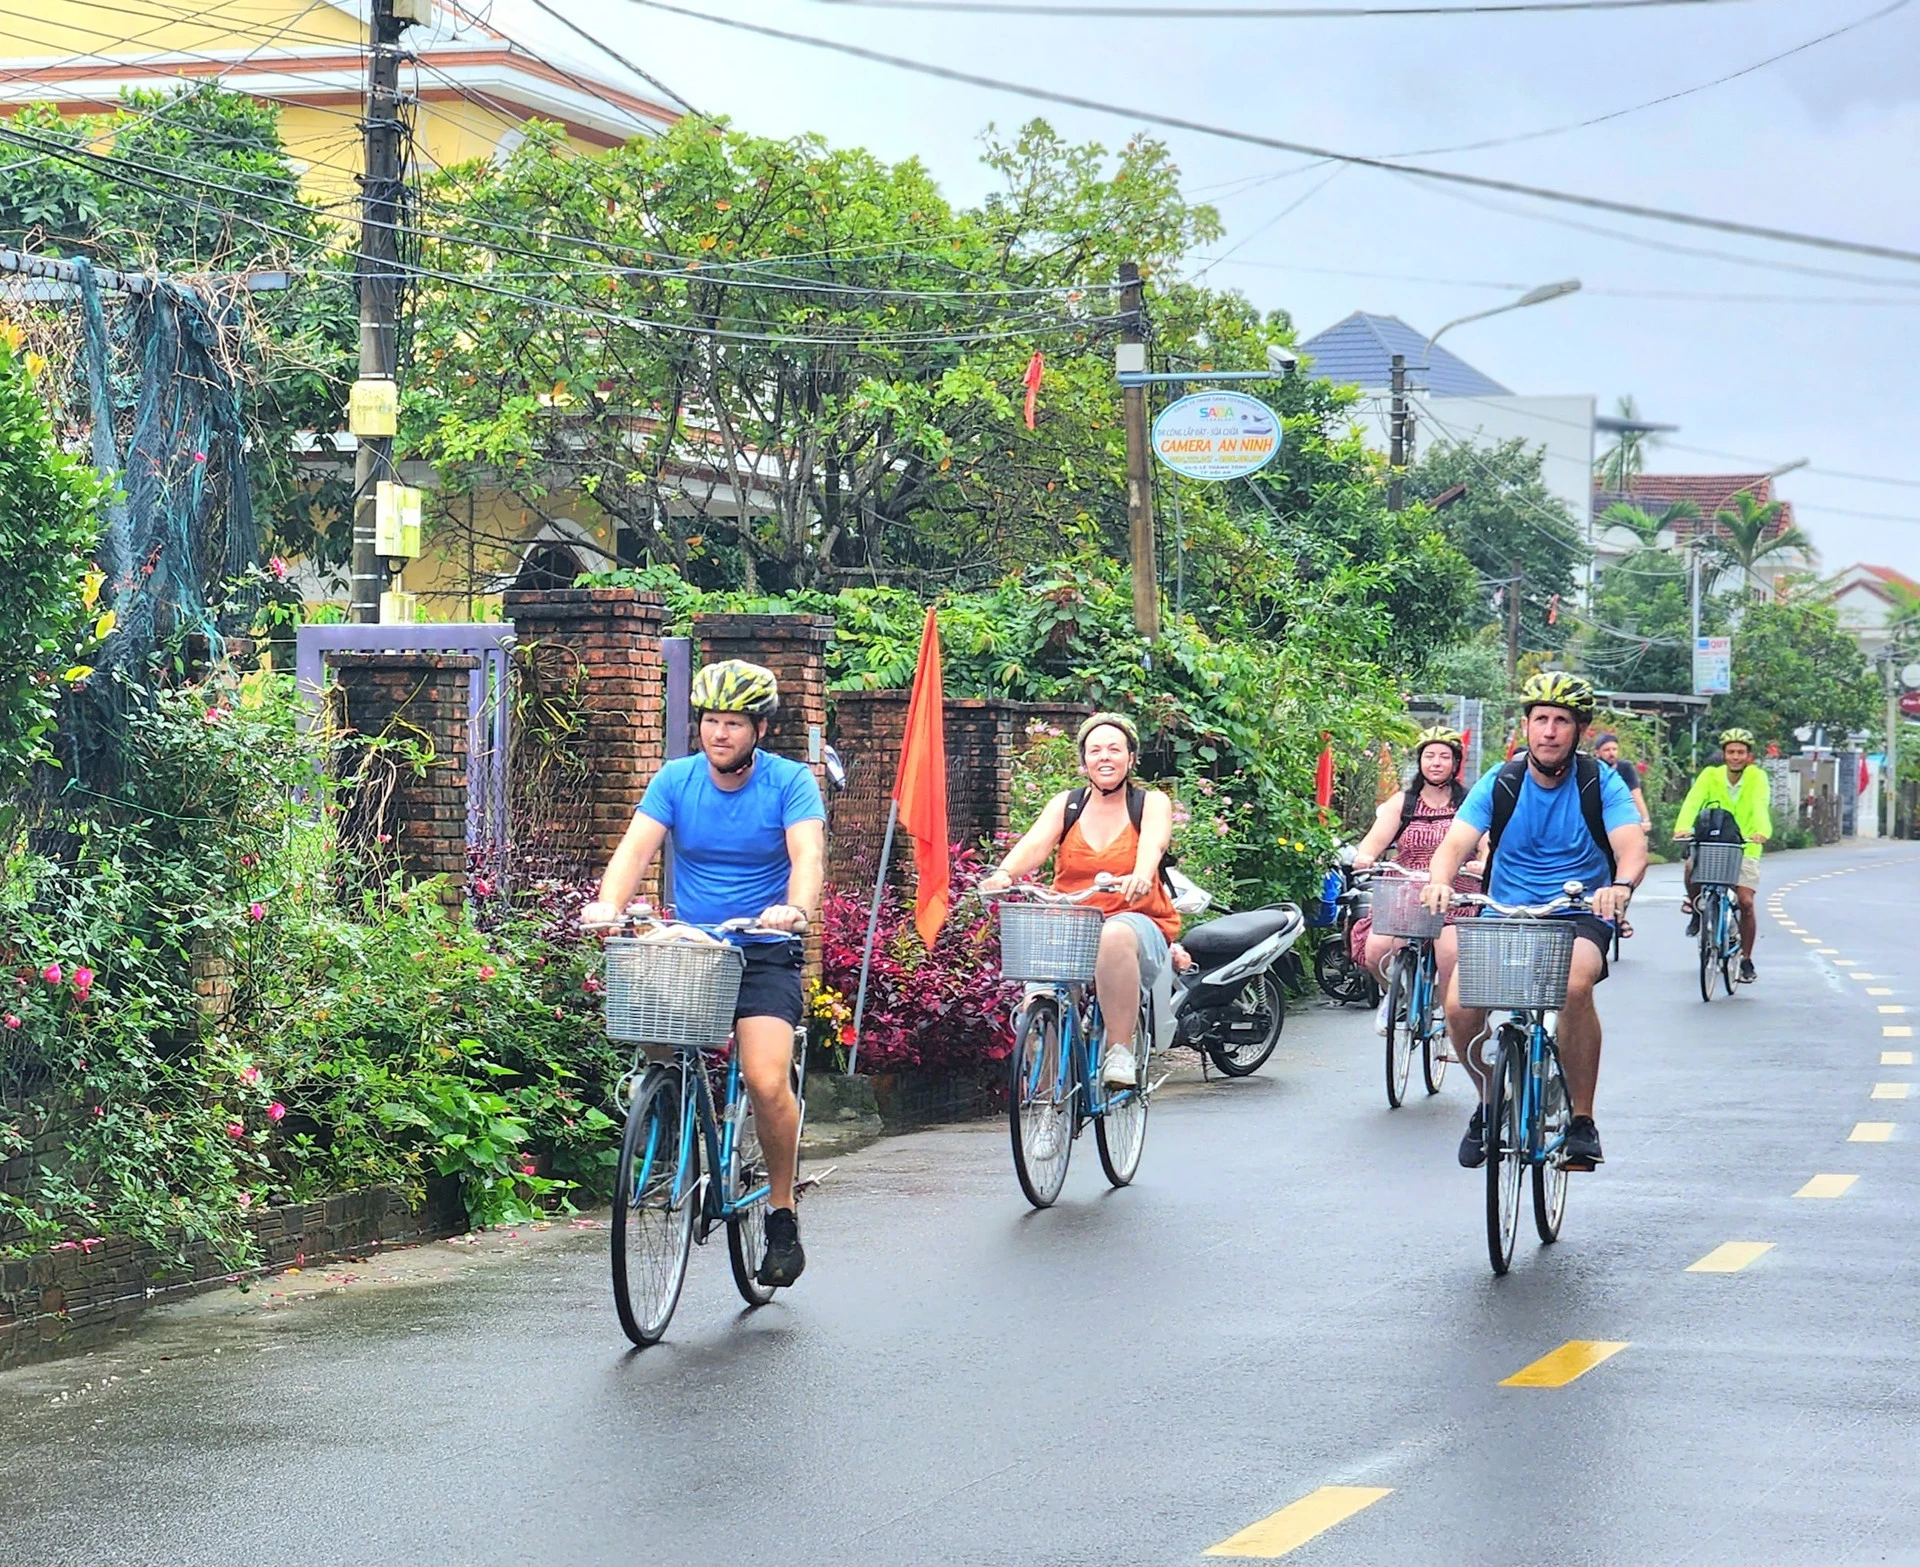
x: 548, y: 566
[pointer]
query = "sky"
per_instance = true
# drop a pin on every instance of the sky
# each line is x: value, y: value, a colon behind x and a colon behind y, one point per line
x: 1761, y: 353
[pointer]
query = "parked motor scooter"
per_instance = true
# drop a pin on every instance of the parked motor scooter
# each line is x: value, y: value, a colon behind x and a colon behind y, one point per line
x: 1231, y: 1005
x: 1345, y: 899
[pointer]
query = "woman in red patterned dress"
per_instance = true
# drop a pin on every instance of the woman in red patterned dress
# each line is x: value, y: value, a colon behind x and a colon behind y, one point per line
x: 1410, y: 827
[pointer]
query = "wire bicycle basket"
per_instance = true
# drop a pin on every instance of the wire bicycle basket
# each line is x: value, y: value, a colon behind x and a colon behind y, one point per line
x: 679, y: 993
x: 1514, y: 964
x: 1397, y: 910
x: 1718, y: 864
x: 1049, y: 944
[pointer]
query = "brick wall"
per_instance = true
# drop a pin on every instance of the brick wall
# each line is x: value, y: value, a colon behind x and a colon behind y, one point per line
x: 984, y: 737
x: 422, y: 699
x: 794, y: 647
x: 63, y: 1301
x: 605, y: 644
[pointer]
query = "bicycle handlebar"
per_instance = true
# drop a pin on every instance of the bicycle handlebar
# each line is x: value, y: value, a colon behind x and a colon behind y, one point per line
x: 1034, y: 892
x: 1574, y: 899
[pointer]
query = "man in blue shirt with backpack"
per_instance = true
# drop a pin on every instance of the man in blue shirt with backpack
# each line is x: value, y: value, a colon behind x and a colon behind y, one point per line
x: 1550, y: 816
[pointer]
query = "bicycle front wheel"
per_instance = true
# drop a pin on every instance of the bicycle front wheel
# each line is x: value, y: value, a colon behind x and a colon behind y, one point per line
x: 1400, y: 1030
x: 1120, y: 1131
x: 1707, y: 906
x: 1039, y: 1103
x: 1729, y: 941
x: 653, y: 1209
x: 1550, y: 1173
x: 1431, y: 1021
x: 1506, y: 1148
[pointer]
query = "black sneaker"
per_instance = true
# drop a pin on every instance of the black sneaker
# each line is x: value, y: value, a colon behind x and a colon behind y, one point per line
x: 1473, y: 1146
x: 1747, y: 975
x: 785, y: 1261
x: 1693, y: 920
x: 1582, y: 1148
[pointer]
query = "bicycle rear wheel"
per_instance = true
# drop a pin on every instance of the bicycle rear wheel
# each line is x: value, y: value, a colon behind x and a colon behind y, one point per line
x: 1550, y: 1174
x: 652, y: 1209
x: 1432, y: 1024
x: 1039, y: 1103
x: 1120, y: 1130
x: 1506, y: 1149
x: 1400, y: 1032
x: 747, y: 1225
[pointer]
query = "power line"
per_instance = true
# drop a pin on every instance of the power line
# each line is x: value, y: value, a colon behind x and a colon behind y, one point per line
x: 1317, y: 13
x: 1200, y: 127
x: 613, y: 54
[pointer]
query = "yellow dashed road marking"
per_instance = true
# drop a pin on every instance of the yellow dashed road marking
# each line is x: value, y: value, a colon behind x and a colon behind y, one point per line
x: 1892, y: 1090
x: 1875, y: 990
x: 1870, y: 1132
x: 1827, y: 1186
x: 1863, y: 977
x: 1896, y: 1031
x: 1891, y: 1011
x: 1896, y: 1058
x: 1570, y: 1361
x: 1293, y: 1526
x: 1731, y: 1257
x: 1846, y: 962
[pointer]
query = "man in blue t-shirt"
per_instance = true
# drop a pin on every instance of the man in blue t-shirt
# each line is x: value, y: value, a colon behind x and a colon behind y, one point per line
x: 1545, y: 843
x: 749, y: 842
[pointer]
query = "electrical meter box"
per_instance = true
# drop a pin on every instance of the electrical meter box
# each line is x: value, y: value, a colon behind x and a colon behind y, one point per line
x: 396, y: 520
x: 373, y: 408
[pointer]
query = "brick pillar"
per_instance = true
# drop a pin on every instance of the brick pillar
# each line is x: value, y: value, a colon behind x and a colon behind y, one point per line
x: 603, y: 643
x: 868, y: 728
x: 794, y: 647
x: 421, y: 699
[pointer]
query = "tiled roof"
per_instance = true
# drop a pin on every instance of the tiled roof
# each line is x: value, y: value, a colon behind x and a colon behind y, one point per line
x: 1359, y: 352
x: 1711, y: 492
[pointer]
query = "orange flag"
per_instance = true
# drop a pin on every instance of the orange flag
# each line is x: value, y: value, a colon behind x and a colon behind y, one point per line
x: 920, y: 787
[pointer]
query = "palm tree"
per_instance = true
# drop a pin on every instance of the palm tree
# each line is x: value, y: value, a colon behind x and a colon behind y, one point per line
x: 1749, y: 532
x: 1903, y: 623
x: 1646, y: 526
x: 1626, y: 459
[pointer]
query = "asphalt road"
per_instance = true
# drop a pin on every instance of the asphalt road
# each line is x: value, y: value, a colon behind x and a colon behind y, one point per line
x: 1293, y: 1299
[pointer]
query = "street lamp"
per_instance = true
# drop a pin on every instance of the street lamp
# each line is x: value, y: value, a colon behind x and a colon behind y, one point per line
x: 1533, y: 296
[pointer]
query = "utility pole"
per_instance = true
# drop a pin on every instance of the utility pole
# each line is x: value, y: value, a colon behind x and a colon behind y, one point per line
x: 1693, y: 630
x: 1513, y: 624
x: 1146, y: 582
x: 1397, y: 456
x: 379, y: 269
x: 1891, y: 774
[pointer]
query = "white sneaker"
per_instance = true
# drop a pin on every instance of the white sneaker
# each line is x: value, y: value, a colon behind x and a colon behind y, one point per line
x: 1120, y: 1070
x: 1380, y: 1016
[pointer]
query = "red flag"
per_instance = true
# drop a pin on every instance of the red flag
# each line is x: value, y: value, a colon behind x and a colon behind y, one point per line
x: 1553, y: 610
x: 1865, y: 776
x: 1036, y: 367
x: 1323, y: 779
x: 920, y: 787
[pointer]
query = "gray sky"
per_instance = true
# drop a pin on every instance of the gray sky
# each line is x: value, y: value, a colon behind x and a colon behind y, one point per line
x: 1823, y: 142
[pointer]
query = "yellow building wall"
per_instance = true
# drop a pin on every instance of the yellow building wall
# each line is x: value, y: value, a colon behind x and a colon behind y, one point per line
x: 466, y: 548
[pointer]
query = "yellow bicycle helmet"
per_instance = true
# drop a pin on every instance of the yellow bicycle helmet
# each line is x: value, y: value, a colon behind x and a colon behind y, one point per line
x: 735, y: 686
x: 1439, y: 734
x: 1738, y: 736
x: 1119, y: 721
x: 1557, y: 688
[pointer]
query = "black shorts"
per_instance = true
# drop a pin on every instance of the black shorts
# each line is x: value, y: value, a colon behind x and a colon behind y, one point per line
x: 770, y: 986
x: 1590, y: 927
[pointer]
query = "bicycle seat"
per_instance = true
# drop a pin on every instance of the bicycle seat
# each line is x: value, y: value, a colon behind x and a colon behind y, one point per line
x: 1232, y: 934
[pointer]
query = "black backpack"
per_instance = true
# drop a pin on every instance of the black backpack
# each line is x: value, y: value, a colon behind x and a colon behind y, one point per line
x: 1136, y: 813
x: 1716, y: 824
x: 1506, y: 797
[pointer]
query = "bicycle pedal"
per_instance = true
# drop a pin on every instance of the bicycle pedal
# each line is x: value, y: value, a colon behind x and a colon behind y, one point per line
x: 807, y: 1183
x: 1154, y: 1087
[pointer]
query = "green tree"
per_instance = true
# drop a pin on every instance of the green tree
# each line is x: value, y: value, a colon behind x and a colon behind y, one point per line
x: 1645, y: 524
x: 1748, y: 533
x: 1793, y: 666
x: 48, y: 524
x: 1635, y: 637
x: 1517, y: 533
x: 1626, y: 459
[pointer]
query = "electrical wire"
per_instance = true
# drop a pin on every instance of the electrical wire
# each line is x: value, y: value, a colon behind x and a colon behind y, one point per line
x: 613, y: 54
x: 1315, y: 13
x: 1361, y: 160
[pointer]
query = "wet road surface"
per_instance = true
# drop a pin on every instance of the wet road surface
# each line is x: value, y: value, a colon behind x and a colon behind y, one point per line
x: 1284, y: 1337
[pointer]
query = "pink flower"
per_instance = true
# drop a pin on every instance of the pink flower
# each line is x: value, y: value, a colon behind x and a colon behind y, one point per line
x: 14, y: 1022
x: 83, y: 981
x: 245, y: 1199
x: 487, y: 971
x: 51, y: 974
x: 482, y: 887
x: 279, y: 569
x: 215, y: 714
x: 248, y: 861
x: 235, y: 1130
x: 276, y: 1111
x: 256, y: 912
x: 526, y: 1169
x: 199, y: 456
x: 249, y: 1075
x: 100, y: 1110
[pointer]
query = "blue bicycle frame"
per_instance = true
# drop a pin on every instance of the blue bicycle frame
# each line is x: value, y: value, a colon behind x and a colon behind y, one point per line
x: 1077, y: 1051
x: 717, y: 1133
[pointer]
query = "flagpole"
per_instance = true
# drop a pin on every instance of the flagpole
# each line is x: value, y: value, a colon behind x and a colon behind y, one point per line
x: 873, y: 925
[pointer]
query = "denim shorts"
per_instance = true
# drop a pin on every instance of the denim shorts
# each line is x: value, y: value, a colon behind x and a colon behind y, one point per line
x: 1149, y: 939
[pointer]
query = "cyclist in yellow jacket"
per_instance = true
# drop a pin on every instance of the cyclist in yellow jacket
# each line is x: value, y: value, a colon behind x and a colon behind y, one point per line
x: 1746, y: 791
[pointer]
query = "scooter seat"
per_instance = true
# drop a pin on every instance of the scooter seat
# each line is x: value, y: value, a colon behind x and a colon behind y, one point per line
x: 1219, y: 940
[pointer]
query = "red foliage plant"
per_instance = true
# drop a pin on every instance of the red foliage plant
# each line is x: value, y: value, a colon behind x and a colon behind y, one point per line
x: 945, y: 1011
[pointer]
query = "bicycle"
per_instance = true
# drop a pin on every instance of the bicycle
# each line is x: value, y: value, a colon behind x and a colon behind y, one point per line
x: 1715, y: 869
x: 1050, y: 944
x: 1414, y: 1013
x: 679, y: 996
x: 1518, y: 964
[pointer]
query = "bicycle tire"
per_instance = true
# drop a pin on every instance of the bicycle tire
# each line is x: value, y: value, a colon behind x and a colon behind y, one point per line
x: 1709, y: 922
x: 1399, y: 1039
x: 1433, y: 1035
x: 652, y: 1234
x: 1729, y: 942
x: 1549, y: 1174
x: 1506, y: 1151
x: 1039, y: 1103
x: 747, y: 1227
x: 1246, y: 1059
x: 1120, y: 1130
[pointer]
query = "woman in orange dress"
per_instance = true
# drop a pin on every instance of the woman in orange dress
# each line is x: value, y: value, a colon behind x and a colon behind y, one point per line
x: 1102, y: 837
